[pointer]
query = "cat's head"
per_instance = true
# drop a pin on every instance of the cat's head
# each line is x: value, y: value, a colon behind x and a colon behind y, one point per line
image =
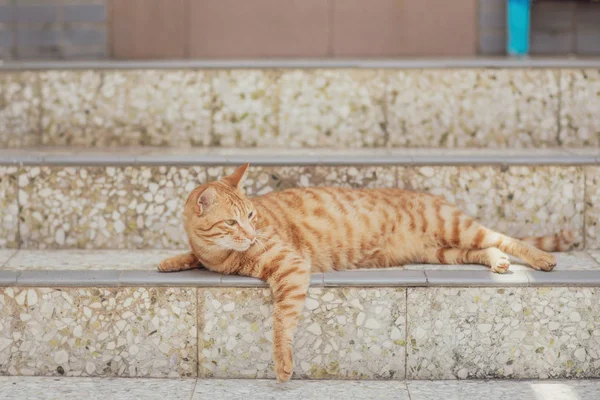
x: 220, y: 215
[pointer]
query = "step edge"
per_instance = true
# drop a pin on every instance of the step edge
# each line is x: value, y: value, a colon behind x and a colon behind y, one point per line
x: 265, y: 159
x: 312, y: 63
x: 202, y: 278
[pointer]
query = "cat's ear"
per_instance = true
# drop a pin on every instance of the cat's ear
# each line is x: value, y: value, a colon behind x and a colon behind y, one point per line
x: 237, y: 177
x: 205, y: 200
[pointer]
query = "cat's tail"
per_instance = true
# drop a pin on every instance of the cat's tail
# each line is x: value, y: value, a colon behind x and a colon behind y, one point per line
x: 562, y: 241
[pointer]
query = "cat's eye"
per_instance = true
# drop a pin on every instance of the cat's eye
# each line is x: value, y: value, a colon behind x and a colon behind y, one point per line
x: 230, y: 222
x: 251, y: 215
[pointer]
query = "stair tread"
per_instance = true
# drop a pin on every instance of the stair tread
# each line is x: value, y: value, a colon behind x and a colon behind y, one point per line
x: 273, y: 156
x: 147, y: 260
x: 21, y: 387
x: 83, y: 268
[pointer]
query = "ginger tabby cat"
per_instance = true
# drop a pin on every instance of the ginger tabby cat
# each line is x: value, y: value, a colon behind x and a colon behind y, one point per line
x: 282, y: 237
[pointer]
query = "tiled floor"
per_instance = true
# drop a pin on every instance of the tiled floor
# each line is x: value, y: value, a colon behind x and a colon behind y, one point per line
x: 25, y: 388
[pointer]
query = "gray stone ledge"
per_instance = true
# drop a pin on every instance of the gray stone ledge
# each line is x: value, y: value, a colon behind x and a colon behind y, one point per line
x: 196, y: 277
x: 397, y: 63
x: 68, y: 278
x: 362, y: 278
x: 209, y: 157
x: 563, y: 278
x: 376, y: 278
x: 476, y: 278
x: 8, y: 278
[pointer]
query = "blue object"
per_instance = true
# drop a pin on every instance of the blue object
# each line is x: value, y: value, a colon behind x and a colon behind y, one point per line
x: 518, y: 15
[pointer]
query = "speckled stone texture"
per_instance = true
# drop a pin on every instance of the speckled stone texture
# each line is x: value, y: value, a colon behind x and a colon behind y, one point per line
x: 105, y: 207
x: 134, y: 332
x: 61, y: 388
x: 473, y: 108
x: 518, y: 201
x: 116, y: 108
x: 502, y: 390
x: 344, y: 333
x: 332, y: 108
x: 9, y: 208
x: 263, y: 180
x: 140, y: 207
x: 579, y: 123
x: 19, y: 109
x: 5, y: 255
x: 245, y: 109
x: 241, y: 389
x: 503, y: 333
x: 55, y: 260
x: 592, y: 209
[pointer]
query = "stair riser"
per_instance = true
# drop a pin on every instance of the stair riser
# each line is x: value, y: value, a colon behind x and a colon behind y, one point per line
x: 302, y: 108
x: 368, y: 333
x: 140, y: 207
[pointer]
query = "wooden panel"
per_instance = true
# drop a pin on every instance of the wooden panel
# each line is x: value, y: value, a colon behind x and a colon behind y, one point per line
x: 367, y: 28
x: 259, y: 28
x: 439, y: 27
x: 391, y: 28
x: 149, y: 29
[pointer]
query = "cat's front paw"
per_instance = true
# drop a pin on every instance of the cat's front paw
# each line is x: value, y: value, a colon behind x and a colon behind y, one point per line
x: 284, y: 372
x: 285, y: 368
x: 501, y: 265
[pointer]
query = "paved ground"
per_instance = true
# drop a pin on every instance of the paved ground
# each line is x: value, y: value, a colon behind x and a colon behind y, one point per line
x: 38, y: 388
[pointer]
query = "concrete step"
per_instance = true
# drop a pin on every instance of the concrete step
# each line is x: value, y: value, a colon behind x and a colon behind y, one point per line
x: 304, y: 105
x: 133, y: 198
x: 25, y: 388
x: 107, y: 313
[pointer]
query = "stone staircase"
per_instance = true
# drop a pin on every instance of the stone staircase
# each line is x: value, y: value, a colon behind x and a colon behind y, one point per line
x: 96, y: 161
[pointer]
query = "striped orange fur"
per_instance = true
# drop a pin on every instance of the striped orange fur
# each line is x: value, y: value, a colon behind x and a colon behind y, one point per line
x: 282, y: 237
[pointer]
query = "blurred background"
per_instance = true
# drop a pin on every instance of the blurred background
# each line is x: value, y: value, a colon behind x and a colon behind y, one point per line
x: 200, y: 29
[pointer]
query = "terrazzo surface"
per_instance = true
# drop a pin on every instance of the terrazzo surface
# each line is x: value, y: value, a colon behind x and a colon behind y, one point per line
x: 19, y: 109
x: 579, y: 107
x: 500, y: 390
x: 33, y: 388
x: 308, y: 108
x: 50, y: 388
x: 343, y: 333
x: 480, y: 333
x: 56, y: 260
x: 518, y: 201
x: 116, y: 108
x: 245, y: 109
x: 9, y: 208
x: 129, y: 207
x: 339, y: 108
x: 473, y: 108
x: 130, y: 332
x: 592, y: 200
x: 5, y: 255
x: 220, y: 389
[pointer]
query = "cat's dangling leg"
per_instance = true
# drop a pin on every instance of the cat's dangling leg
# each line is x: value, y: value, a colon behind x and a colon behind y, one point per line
x: 491, y: 257
x: 180, y: 262
x: 288, y: 275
